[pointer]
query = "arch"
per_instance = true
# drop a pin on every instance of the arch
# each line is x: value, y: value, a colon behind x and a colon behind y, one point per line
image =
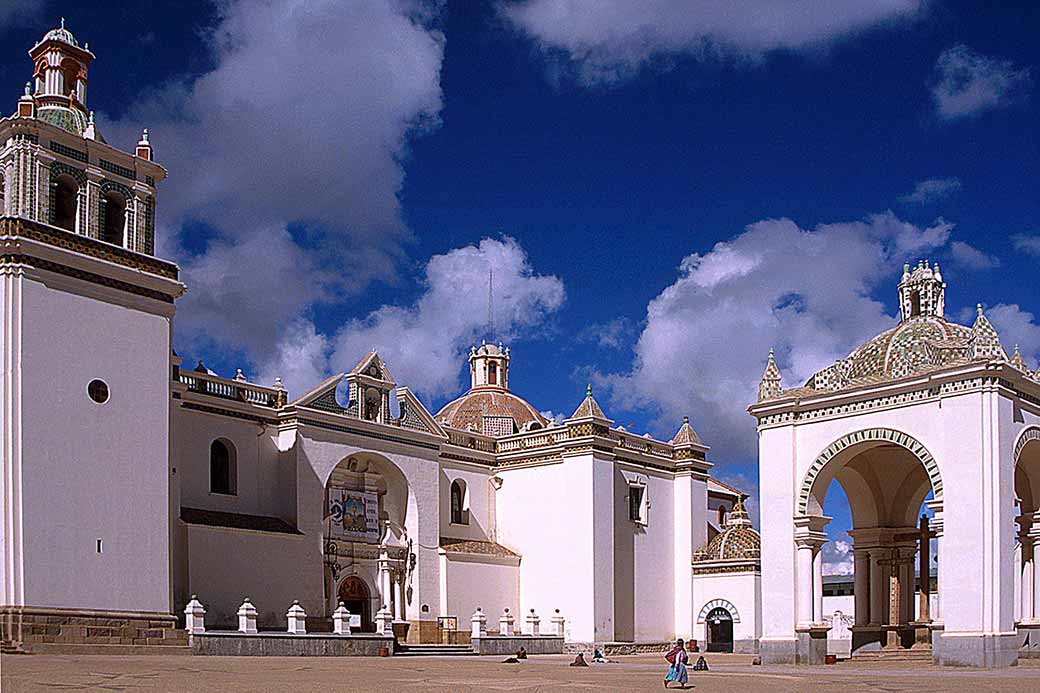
x: 113, y: 212
x: 1029, y: 434
x: 869, y: 435
x: 722, y: 516
x: 67, y: 183
x: 459, y: 501
x: 223, y: 467
x: 492, y: 371
x: 718, y: 604
x: 355, y: 594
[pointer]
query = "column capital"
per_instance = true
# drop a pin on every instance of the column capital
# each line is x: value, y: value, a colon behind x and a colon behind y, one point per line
x: 808, y: 530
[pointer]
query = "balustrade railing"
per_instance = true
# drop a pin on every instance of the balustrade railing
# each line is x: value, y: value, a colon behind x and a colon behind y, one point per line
x: 215, y: 386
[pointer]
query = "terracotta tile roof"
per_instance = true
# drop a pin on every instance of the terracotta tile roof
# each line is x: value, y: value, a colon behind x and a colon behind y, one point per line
x: 484, y: 548
x: 468, y: 412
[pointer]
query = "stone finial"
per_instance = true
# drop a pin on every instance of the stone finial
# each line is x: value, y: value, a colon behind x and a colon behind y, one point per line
x: 28, y: 89
x: 505, y: 623
x: 770, y: 385
x: 341, y: 620
x: 478, y: 624
x: 194, y: 616
x: 558, y: 622
x: 144, y: 147
x: 1018, y: 362
x: 247, y: 617
x: 533, y: 623
x: 297, y: 618
x: 239, y: 375
x: 384, y: 622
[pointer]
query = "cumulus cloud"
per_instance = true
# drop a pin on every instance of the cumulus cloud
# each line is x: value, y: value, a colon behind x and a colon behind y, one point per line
x: 967, y: 83
x: 425, y: 344
x: 1027, y: 243
x: 277, y: 135
x: 1017, y: 326
x: 838, y: 558
x: 612, y: 334
x: 806, y: 292
x: 931, y: 190
x: 972, y: 258
x: 611, y: 40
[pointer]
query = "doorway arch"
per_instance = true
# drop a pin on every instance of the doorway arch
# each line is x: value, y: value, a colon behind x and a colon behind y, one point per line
x: 355, y: 595
x: 719, y: 622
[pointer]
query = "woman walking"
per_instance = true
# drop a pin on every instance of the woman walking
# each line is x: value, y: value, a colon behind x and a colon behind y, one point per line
x: 677, y: 659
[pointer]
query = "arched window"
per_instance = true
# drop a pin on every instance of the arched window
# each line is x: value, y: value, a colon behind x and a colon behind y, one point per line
x: 492, y: 373
x: 459, y: 511
x: 113, y: 217
x: 915, y: 303
x: 722, y: 516
x: 223, y: 472
x: 66, y: 190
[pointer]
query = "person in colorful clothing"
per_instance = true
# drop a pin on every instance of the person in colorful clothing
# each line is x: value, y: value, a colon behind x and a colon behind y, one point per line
x: 677, y: 660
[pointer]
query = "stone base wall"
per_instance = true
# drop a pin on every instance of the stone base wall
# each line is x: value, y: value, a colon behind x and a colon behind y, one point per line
x: 26, y: 626
x: 232, y: 644
x: 615, y: 649
x: 511, y: 644
x: 984, y: 651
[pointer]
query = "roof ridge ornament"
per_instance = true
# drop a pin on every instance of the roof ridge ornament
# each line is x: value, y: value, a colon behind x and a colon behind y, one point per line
x: 771, y: 383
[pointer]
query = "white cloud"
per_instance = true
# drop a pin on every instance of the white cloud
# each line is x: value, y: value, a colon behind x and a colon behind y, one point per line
x: 424, y: 344
x: 610, y: 40
x: 305, y: 117
x: 556, y: 417
x: 931, y: 190
x: 838, y: 558
x: 1029, y: 244
x: 300, y: 359
x: 1017, y: 326
x: 612, y: 334
x: 967, y: 82
x: 808, y: 293
x: 972, y: 258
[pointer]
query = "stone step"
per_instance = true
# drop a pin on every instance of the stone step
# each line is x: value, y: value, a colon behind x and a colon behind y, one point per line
x: 902, y: 655
x: 432, y: 650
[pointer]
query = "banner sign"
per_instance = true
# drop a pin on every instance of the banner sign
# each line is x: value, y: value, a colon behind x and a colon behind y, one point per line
x: 355, y: 515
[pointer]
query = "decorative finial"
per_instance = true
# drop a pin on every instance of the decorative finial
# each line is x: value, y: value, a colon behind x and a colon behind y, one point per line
x: 685, y: 420
x: 90, y: 118
x: 62, y: 22
x: 144, y: 135
x: 278, y: 384
x: 588, y: 390
x: 978, y: 309
x: 28, y: 89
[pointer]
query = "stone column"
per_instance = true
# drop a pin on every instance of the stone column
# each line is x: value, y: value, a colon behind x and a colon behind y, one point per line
x: 924, y: 569
x: 878, y: 587
x: 385, y: 590
x: 804, y: 576
x: 817, y: 584
x: 1034, y: 534
x: 936, y: 525
x: 1027, y: 581
x: 861, y: 561
x: 398, y: 579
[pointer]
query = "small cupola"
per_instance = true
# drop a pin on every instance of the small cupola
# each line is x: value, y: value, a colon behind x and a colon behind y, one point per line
x: 489, y: 366
x: 922, y: 292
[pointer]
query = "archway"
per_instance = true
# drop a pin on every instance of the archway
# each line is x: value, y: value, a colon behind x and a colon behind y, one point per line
x: 64, y: 203
x: 113, y: 217
x: 720, y: 630
x: 368, y: 505
x: 1027, y: 493
x: 884, y: 479
x: 355, y: 595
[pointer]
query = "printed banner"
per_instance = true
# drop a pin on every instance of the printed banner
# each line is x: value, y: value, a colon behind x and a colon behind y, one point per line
x: 355, y: 515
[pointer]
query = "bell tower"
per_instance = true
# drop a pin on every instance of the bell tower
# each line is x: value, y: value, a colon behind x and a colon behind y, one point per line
x: 86, y: 318
x: 922, y: 292
x: 489, y: 367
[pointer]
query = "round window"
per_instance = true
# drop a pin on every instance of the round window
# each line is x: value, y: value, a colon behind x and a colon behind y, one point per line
x: 98, y: 391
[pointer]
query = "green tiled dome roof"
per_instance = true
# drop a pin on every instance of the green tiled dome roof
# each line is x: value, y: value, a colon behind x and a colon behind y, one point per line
x: 739, y: 541
x: 69, y: 119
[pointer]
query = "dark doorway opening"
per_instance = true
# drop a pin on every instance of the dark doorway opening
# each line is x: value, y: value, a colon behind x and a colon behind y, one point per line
x: 353, y: 592
x: 720, y: 630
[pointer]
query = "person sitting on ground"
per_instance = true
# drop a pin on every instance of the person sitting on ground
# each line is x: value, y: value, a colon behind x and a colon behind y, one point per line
x: 579, y: 661
x: 597, y: 656
x: 522, y: 654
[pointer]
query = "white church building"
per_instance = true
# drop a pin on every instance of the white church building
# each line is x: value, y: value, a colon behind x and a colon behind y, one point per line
x: 132, y: 481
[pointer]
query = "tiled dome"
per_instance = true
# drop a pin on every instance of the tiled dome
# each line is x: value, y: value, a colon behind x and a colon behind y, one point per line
x: 490, y: 412
x: 61, y: 34
x: 738, y: 541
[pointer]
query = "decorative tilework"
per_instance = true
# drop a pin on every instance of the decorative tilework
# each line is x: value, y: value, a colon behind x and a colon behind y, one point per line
x: 718, y: 604
x: 117, y: 169
x: 871, y: 434
x: 68, y: 151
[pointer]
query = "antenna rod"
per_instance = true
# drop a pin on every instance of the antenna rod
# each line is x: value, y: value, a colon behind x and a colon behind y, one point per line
x: 491, y: 303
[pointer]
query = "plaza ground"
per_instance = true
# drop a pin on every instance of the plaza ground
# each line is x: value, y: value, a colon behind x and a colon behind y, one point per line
x: 547, y: 673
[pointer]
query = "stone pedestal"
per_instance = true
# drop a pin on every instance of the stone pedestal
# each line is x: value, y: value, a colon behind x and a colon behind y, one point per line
x: 247, y: 617
x: 341, y: 620
x: 811, y: 645
x: 478, y: 624
x: 297, y: 619
x: 559, y: 623
x: 505, y: 623
x: 194, y: 616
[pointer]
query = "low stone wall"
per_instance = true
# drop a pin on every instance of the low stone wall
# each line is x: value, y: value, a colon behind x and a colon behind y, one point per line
x: 30, y: 626
x: 615, y: 649
x: 233, y: 643
x: 511, y: 644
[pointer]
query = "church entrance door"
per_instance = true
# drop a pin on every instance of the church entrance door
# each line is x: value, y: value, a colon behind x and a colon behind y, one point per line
x: 720, y: 630
x: 353, y: 592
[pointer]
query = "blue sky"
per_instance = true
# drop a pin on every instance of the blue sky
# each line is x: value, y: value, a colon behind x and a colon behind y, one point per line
x: 665, y: 190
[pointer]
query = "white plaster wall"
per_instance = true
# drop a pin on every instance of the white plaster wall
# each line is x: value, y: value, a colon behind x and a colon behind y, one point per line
x: 741, y: 590
x: 478, y: 492
x: 227, y: 565
x: 777, y: 484
x: 261, y: 474
x: 94, y: 471
x: 644, y: 579
x: 489, y: 583
x: 546, y: 514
